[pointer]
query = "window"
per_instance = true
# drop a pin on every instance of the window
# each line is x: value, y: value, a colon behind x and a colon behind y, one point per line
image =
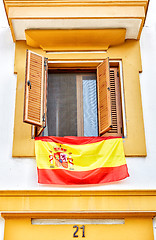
x: 71, y: 104
x: 129, y: 63
x: 75, y: 103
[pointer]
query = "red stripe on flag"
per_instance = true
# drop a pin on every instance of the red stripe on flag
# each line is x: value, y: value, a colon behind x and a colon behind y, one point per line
x: 96, y: 176
x: 74, y: 140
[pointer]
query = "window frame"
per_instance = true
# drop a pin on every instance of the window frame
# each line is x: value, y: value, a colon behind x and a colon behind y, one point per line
x: 113, y: 63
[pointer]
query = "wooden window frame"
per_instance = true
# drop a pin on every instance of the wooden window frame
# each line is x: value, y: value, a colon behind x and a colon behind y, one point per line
x: 113, y: 63
x: 91, y: 65
x: 79, y: 90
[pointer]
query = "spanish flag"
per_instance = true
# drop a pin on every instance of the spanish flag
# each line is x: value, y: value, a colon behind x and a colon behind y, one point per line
x: 80, y: 160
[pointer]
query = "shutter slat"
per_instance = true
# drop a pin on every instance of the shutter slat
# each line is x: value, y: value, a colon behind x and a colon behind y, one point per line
x: 104, y: 102
x: 34, y: 99
x: 34, y: 109
x: 37, y: 104
x: 34, y: 96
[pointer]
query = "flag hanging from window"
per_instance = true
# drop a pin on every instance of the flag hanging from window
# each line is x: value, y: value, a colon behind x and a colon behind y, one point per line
x: 80, y: 160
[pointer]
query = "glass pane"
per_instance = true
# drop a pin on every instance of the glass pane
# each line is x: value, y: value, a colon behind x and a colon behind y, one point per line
x: 90, y: 106
x: 62, y: 105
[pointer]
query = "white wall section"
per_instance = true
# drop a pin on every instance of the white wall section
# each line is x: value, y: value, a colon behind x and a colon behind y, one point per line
x: 132, y: 26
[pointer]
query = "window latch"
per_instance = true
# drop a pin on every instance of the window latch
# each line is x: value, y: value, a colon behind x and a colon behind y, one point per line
x: 121, y: 130
x: 29, y: 83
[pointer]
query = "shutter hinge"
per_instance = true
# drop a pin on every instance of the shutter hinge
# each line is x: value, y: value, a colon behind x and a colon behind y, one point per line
x: 43, y: 118
x: 45, y: 63
x: 117, y: 74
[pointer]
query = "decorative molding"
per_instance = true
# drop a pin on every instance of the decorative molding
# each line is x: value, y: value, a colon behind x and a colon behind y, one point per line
x: 75, y: 193
x: 34, y: 3
x: 79, y: 12
x: 86, y: 39
x: 77, y: 214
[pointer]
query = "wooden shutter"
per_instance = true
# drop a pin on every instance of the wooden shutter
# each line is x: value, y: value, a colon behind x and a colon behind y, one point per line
x: 39, y: 130
x: 104, y: 97
x: 116, y: 109
x: 35, y: 90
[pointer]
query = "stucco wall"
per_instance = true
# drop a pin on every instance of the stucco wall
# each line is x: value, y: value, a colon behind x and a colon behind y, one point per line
x: 21, y: 173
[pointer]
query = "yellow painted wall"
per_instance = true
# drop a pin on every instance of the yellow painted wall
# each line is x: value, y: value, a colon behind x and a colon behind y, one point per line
x: 134, y: 228
x: 129, y: 53
x: 137, y: 208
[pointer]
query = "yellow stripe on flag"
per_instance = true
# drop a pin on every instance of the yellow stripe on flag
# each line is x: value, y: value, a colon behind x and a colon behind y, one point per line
x: 106, y: 153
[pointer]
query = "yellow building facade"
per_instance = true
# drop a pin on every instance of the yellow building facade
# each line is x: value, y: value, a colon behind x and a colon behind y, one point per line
x: 71, y: 35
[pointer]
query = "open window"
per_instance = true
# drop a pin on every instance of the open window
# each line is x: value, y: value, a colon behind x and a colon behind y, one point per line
x: 80, y: 103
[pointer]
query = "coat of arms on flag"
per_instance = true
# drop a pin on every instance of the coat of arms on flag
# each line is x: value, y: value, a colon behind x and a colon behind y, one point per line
x: 59, y: 157
x: 80, y: 160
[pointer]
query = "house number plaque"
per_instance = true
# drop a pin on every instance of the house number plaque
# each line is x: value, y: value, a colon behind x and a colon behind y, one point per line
x: 77, y: 233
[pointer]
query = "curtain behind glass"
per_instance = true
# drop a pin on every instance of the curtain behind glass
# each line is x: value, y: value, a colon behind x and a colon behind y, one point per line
x: 90, y: 106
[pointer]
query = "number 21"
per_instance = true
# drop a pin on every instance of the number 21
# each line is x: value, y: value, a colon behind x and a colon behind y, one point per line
x: 77, y: 228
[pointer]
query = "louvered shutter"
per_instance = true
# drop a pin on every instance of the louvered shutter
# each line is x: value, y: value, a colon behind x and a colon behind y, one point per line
x: 39, y: 130
x: 116, y: 109
x: 35, y: 90
x: 104, y: 97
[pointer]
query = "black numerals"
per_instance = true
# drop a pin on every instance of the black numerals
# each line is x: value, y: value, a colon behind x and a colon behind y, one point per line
x: 77, y: 228
x: 75, y: 234
x: 83, y: 230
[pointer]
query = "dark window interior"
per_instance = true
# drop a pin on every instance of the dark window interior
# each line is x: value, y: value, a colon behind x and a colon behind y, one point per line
x: 71, y: 104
